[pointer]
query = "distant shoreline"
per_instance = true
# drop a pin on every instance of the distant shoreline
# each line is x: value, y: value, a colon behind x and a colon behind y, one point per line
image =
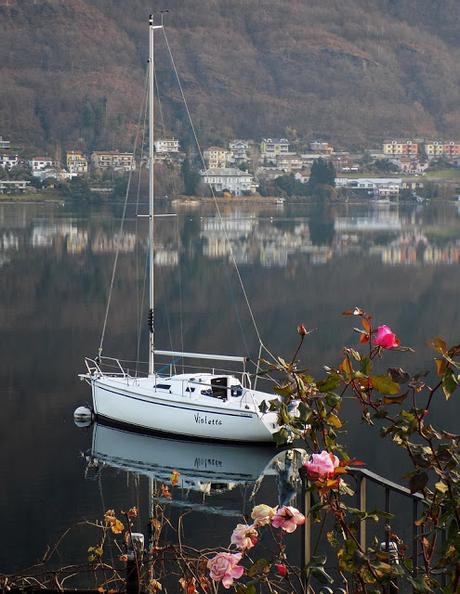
x: 31, y: 198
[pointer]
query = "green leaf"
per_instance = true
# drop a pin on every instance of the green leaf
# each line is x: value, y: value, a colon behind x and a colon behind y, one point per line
x: 321, y: 575
x: 246, y: 589
x: 258, y: 567
x: 418, y: 482
x: 304, y: 412
x: 384, y: 384
x: 366, y: 365
x: 448, y: 383
x: 281, y: 437
x: 263, y: 407
x: 332, y: 399
x: 334, y: 421
x: 285, y: 390
x: 330, y: 383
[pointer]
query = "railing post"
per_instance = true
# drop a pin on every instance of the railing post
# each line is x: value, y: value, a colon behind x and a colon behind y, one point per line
x: 362, y: 507
x: 414, y: 536
x: 306, y: 528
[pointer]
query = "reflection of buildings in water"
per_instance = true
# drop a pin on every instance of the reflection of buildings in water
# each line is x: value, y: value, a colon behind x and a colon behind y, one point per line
x: 104, y: 243
x: 446, y: 255
x: 4, y: 260
x: 76, y: 243
x: 413, y: 248
x: 166, y: 257
x: 252, y: 240
x: 380, y: 220
x: 9, y: 241
x: 44, y: 236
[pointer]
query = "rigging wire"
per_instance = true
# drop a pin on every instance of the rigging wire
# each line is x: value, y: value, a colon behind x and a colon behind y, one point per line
x: 232, y: 255
x: 122, y: 222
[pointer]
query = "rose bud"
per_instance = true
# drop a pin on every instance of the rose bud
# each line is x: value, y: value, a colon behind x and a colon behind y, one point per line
x: 301, y: 330
x: 281, y: 569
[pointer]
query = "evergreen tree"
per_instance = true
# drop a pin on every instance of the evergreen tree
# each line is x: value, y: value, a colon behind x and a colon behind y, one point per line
x: 191, y: 178
x: 322, y: 174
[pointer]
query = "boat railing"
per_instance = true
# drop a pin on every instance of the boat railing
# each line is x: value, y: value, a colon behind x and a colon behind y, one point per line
x: 95, y: 366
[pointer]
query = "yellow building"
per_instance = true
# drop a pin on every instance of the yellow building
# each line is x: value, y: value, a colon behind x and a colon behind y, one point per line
x: 442, y: 148
x: 216, y: 157
x: 400, y: 147
x: 77, y: 163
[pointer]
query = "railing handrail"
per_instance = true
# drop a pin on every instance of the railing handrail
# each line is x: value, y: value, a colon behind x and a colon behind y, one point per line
x: 383, y: 482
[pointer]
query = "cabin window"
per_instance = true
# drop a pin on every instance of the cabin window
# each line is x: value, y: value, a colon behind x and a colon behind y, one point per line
x: 219, y: 387
x: 163, y: 386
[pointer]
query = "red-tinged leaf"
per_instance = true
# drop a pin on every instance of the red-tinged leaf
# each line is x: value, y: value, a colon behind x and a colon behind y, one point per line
x: 355, y: 462
x: 340, y: 470
x: 395, y: 399
x: 438, y: 344
x: 441, y: 366
x: 346, y: 366
x: 363, y: 338
x: 366, y: 325
x: 174, y: 478
x: 356, y: 311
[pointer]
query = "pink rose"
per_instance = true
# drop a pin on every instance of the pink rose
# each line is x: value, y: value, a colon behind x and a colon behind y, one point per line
x: 385, y: 338
x: 244, y: 537
x: 288, y: 518
x: 262, y: 514
x: 321, y: 465
x: 224, y: 567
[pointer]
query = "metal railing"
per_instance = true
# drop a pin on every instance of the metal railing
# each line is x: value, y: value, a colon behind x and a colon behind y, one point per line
x: 363, y: 478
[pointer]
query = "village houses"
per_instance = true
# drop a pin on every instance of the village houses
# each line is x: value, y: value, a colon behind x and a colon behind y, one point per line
x: 216, y: 157
x: 271, y: 148
x: 229, y: 179
x: 115, y: 160
x: 441, y: 148
x: 239, y: 151
x: 9, y: 161
x: 400, y: 147
x: 166, y: 145
x: 39, y: 163
x: 77, y: 163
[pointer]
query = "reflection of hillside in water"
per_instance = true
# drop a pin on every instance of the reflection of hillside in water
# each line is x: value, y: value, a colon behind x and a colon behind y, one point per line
x: 394, y: 236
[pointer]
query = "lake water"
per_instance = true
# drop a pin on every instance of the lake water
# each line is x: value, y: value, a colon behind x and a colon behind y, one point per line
x: 299, y: 263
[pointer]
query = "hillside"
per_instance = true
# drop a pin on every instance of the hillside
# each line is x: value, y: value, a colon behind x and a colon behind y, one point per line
x: 72, y: 72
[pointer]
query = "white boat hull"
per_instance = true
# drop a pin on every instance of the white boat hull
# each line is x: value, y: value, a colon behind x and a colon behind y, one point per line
x: 133, y: 402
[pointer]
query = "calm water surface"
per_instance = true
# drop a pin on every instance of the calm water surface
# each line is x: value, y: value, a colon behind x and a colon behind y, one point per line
x: 299, y: 264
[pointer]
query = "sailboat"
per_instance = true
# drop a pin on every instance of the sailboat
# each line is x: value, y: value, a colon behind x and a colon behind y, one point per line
x: 204, y: 404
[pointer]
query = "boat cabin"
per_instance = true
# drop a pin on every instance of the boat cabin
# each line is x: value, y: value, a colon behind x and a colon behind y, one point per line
x: 221, y: 386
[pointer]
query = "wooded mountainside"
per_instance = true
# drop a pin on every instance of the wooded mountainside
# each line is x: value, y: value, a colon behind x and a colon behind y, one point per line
x: 350, y: 71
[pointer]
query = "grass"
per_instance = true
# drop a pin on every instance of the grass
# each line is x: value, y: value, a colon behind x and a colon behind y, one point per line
x: 30, y: 197
x: 444, y: 175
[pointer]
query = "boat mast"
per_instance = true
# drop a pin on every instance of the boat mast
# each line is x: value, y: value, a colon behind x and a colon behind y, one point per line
x: 151, y: 95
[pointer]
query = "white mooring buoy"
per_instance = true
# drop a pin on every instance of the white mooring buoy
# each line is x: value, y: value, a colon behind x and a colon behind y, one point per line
x: 82, y: 416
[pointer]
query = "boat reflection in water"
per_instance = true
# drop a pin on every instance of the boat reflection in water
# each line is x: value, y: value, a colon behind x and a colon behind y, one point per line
x: 203, y: 467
